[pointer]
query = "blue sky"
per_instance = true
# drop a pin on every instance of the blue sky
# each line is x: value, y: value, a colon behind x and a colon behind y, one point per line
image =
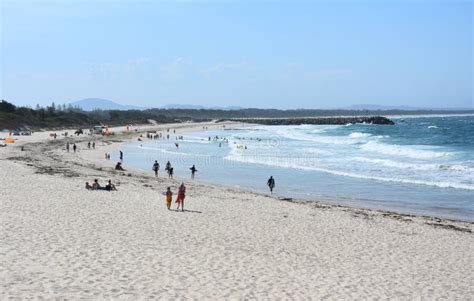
x: 282, y: 54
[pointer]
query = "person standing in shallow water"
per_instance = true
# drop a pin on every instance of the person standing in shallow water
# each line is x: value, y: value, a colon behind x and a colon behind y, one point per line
x: 193, y: 171
x: 156, y: 167
x: 271, y: 183
x: 121, y: 156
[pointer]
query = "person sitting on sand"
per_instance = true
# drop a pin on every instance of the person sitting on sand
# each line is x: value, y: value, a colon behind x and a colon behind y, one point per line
x: 271, y: 183
x: 110, y: 186
x: 119, y: 166
x: 181, y: 196
x: 88, y: 186
x: 169, y: 197
x: 156, y: 168
x: 96, y: 185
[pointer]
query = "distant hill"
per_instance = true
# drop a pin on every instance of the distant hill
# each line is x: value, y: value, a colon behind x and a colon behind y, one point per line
x: 91, y: 104
x: 183, y: 106
x: 199, y: 107
x: 401, y: 108
x: 380, y: 107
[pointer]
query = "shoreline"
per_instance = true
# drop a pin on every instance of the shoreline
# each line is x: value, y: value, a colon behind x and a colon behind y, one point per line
x: 115, y: 142
x: 62, y: 241
x: 328, y: 200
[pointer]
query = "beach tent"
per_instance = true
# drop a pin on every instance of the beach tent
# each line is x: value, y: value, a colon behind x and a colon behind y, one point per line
x: 9, y: 140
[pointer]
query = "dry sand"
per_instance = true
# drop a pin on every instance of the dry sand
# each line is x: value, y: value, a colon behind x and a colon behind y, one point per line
x: 60, y: 241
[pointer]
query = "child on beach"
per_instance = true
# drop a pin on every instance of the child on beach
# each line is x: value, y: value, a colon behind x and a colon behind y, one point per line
x: 169, y: 197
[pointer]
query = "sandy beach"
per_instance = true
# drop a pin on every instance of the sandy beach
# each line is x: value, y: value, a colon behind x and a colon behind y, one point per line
x: 61, y: 241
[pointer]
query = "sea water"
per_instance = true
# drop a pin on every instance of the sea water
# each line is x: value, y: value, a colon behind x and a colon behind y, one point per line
x: 422, y: 165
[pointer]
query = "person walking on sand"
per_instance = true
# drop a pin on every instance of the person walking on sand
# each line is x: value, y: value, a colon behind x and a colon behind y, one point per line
x: 193, y: 171
x: 156, y: 167
x: 271, y: 183
x: 169, y: 197
x: 170, y: 172
x: 181, y: 196
x: 74, y: 147
x: 67, y: 147
x: 89, y: 145
x: 93, y: 145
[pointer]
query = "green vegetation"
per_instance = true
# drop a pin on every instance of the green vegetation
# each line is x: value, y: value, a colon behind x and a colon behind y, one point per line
x: 12, y: 117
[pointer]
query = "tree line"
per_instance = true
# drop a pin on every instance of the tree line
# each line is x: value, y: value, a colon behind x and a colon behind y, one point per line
x: 56, y: 116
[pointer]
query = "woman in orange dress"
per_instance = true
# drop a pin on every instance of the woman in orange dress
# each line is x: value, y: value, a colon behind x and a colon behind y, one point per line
x: 169, y: 196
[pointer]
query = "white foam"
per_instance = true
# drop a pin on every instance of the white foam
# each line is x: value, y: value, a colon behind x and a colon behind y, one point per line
x: 335, y: 140
x: 412, y: 151
x: 286, y: 164
x: 359, y: 135
x: 412, y: 166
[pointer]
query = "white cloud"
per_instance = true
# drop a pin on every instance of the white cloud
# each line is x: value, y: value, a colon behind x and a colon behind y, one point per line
x: 111, y: 71
x: 208, y: 73
x: 176, y: 70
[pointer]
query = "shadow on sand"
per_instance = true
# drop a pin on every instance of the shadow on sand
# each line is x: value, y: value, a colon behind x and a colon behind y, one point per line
x: 185, y: 210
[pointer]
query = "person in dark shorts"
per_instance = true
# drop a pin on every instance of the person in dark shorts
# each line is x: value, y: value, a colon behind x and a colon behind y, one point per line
x: 193, y: 171
x: 271, y: 183
x: 156, y: 168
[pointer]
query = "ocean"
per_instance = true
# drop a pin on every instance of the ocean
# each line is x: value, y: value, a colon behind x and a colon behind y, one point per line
x: 422, y: 165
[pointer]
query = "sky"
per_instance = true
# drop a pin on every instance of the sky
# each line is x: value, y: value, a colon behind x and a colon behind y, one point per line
x: 266, y: 54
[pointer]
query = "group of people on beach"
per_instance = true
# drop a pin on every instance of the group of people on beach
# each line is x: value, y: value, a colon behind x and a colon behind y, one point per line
x: 179, y: 198
x: 170, y: 169
x: 74, y: 147
x: 96, y: 186
x: 181, y: 193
